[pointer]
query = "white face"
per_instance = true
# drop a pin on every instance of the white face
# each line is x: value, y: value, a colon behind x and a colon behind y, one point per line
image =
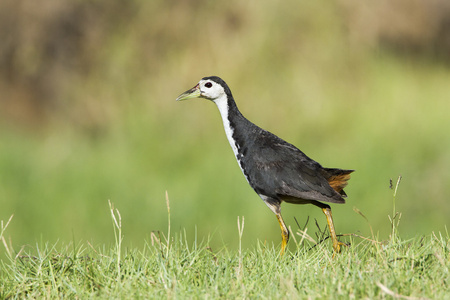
x: 210, y: 89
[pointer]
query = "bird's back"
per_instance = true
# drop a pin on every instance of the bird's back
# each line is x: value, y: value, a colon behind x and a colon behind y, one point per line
x: 278, y: 169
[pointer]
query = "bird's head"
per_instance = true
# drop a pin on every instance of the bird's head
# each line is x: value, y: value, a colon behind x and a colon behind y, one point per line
x: 210, y: 88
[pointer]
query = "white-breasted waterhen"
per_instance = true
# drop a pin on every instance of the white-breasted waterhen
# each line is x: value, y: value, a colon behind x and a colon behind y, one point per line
x: 274, y: 168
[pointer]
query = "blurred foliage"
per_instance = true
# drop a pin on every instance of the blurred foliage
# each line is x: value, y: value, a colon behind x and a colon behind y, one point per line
x: 88, y: 113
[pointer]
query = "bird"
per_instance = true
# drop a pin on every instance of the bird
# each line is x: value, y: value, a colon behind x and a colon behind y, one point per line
x: 275, y: 169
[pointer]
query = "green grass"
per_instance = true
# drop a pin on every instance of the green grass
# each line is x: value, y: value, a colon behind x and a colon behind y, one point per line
x: 117, y: 133
x: 169, y: 266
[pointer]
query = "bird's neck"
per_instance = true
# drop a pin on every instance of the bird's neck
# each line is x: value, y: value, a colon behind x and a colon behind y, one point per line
x: 233, y: 122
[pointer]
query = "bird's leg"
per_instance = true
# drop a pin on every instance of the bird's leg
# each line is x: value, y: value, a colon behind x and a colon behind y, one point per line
x: 284, y: 233
x: 336, y: 243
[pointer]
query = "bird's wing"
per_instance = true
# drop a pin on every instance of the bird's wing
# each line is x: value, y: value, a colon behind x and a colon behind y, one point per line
x: 283, y: 168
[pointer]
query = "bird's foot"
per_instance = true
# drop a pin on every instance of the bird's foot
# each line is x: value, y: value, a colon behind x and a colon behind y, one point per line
x: 337, y: 246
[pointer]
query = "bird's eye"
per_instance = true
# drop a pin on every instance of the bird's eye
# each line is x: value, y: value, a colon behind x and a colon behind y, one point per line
x: 208, y: 84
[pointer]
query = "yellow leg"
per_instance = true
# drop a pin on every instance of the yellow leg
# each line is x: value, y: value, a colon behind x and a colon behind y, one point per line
x: 284, y: 234
x: 336, y: 243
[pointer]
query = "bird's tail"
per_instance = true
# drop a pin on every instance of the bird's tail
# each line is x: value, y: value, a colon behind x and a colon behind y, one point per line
x: 337, y: 178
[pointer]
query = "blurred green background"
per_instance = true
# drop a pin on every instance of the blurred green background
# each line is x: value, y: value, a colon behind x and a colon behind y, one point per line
x: 88, y: 113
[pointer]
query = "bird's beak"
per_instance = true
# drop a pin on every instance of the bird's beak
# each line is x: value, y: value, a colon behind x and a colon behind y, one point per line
x: 192, y: 93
